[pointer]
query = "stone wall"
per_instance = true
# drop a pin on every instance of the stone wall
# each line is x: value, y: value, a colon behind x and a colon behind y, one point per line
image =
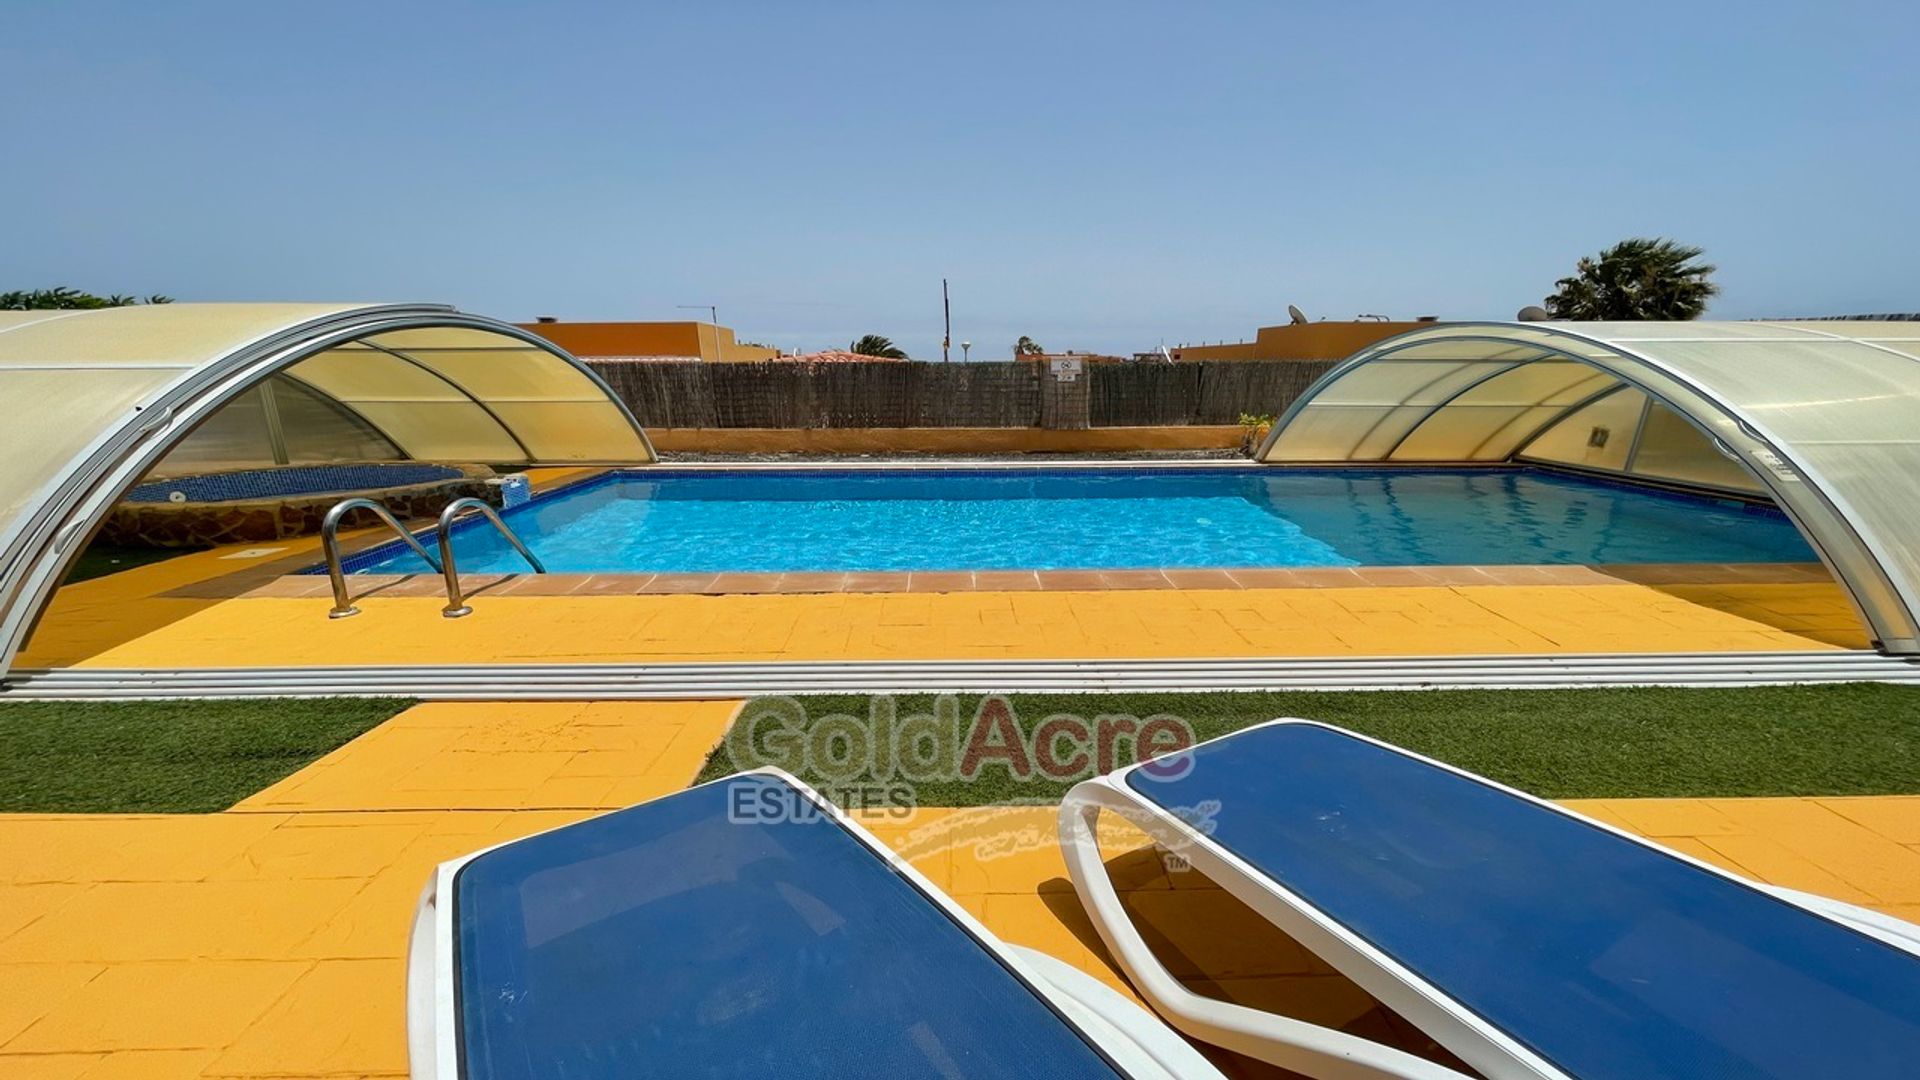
x: 257, y: 521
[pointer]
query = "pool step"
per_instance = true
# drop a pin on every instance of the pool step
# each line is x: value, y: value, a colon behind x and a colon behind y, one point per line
x: 686, y: 681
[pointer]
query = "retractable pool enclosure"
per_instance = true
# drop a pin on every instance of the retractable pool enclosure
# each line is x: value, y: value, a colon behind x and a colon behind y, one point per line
x: 1822, y: 417
x: 93, y: 400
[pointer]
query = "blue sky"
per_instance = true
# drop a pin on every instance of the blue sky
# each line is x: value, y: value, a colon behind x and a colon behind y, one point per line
x: 1100, y: 176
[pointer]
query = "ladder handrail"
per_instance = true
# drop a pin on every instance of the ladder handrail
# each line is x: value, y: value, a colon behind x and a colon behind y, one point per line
x: 456, y: 602
x: 330, y: 546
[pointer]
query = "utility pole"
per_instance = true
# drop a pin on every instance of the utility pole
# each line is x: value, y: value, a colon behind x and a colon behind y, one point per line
x: 946, y: 308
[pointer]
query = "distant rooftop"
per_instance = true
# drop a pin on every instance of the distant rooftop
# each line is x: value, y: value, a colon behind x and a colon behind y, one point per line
x: 1911, y: 316
x: 836, y: 356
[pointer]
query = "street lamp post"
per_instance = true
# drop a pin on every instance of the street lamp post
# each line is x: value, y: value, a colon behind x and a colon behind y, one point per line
x: 713, y: 314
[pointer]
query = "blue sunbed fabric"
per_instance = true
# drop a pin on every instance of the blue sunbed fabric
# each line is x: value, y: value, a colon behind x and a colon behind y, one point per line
x: 1606, y: 957
x: 670, y: 941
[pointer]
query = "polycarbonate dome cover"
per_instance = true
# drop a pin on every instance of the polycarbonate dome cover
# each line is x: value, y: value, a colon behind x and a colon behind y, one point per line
x: 93, y: 398
x: 1823, y: 416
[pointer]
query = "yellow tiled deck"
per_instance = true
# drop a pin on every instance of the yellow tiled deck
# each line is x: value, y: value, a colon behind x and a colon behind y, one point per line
x: 230, y: 607
x: 268, y: 940
x: 168, y: 616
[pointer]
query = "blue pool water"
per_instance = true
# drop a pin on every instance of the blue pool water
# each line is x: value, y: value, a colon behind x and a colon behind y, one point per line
x: 663, y: 521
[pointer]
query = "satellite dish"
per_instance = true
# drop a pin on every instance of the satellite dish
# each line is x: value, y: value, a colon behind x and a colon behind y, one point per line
x: 1296, y: 315
x: 1534, y: 313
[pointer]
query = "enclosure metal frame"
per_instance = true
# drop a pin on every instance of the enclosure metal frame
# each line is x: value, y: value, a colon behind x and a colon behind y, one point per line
x: 1887, y: 603
x: 42, y: 543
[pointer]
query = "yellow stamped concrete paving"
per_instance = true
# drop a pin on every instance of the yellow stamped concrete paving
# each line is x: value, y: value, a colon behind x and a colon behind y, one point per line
x: 90, y: 616
x: 269, y: 940
x: 220, y: 608
x: 960, y: 625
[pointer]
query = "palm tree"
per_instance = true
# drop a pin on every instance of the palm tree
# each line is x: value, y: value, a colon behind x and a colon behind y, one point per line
x: 1026, y: 346
x: 1633, y: 280
x: 875, y: 345
x: 61, y: 297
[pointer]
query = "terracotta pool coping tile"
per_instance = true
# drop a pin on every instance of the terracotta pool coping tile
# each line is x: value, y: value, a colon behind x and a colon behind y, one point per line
x: 811, y: 582
x: 1395, y: 577
x: 732, y: 582
x: 411, y: 585
x: 1509, y: 575
x: 548, y: 585
x: 679, y: 583
x: 1330, y: 577
x: 1254, y: 577
x: 940, y: 581
x: 1573, y: 575
x: 302, y: 586
x: 613, y: 584
x: 1661, y: 573
x: 519, y: 585
x: 490, y: 584
x: 1006, y: 580
x: 1071, y: 580
x: 1134, y: 579
x: 1191, y: 578
x: 1457, y: 575
x: 309, y: 585
x: 1545, y: 575
x: 875, y: 581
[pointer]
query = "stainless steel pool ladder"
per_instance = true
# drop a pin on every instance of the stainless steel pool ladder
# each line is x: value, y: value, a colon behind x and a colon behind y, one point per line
x: 330, y: 545
x: 456, y: 603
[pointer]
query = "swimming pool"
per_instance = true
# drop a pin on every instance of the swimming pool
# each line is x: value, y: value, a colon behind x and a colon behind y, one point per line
x: 662, y: 521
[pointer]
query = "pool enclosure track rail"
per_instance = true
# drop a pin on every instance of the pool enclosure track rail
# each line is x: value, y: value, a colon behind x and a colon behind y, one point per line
x: 330, y: 546
x: 694, y: 681
x: 456, y: 602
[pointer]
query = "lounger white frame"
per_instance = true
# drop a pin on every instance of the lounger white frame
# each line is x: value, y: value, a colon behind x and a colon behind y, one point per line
x: 1309, y: 1048
x: 1132, y: 1038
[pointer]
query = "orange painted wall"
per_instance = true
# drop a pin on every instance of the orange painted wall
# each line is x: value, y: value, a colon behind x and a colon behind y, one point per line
x: 1238, y: 350
x: 1300, y: 341
x: 695, y: 339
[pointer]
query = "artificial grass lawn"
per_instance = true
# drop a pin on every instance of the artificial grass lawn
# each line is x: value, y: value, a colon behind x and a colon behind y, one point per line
x: 1854, y: 739
x: 1861, y: 739
x: 166, y: 756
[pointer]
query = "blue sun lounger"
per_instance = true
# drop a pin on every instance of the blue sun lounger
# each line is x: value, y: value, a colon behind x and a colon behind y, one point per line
x: 1528, y: 940
x: 742, y: 928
